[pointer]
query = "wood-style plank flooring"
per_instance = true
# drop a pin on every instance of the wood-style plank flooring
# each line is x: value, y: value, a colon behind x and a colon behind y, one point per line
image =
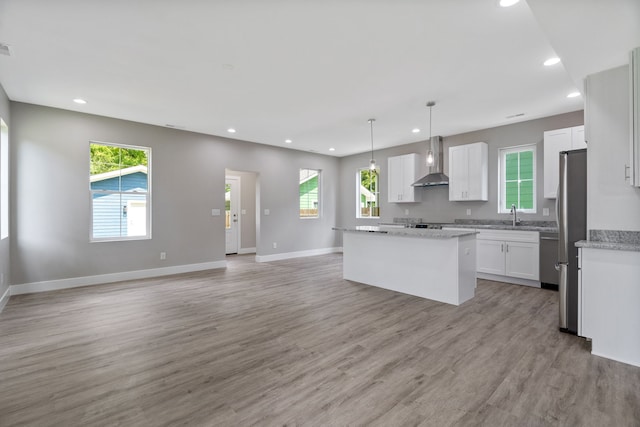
x: 291, y: 343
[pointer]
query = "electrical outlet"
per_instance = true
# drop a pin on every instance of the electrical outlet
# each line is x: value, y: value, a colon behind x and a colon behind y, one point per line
x: 468, y: 212
x: 215, y: 212
x: 267, y: 211
x: 163, y: 255
x: 275, y: 245
x: 545, y: 211
x: 244, y: 211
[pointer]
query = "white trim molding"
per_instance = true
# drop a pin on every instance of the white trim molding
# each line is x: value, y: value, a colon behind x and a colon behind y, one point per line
x: 5, y: 298
x: 243, y: 251
x: 74, y: 282
x: 298, y: 254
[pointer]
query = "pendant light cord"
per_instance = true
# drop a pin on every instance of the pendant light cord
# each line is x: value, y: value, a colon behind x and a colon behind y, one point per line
x: 371, y: 123
x: 430, y: 108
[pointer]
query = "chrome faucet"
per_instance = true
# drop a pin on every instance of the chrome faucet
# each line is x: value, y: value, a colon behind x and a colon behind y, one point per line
x: 514, y: 214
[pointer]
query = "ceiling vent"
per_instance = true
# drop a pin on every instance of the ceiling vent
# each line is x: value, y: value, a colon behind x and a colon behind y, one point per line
x: 4, y: 49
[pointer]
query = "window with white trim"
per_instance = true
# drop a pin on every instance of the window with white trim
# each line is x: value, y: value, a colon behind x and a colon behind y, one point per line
x: 309, y: 192
x: 367, y: 193
x: 120, y: 188
x: 517, y: 179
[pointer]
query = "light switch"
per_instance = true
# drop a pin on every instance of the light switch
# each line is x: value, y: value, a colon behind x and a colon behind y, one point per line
x: 267, y: 211
x: 244, y: 211
x: 215, y: 212
x: 406, y: 211
x: 468, y: 211
x: 545, y: 211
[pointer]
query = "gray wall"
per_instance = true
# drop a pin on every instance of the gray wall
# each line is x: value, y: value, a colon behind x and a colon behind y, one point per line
x: 248, y: 182
x: 50, y: 167
x: 435, y: 205
x: 612, y: 204
x: 4, y: 244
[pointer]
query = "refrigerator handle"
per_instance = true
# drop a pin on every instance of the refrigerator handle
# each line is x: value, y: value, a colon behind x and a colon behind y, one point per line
x: 561, y: 203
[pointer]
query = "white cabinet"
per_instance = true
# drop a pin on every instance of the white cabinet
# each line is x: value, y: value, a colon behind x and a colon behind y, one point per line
x: 608, y: 297
x: 634, y: 121
x: 509, y: 253
x: 490, y: 256
x: 468, y: 172
x: 556, y: 141
x: 402, y: 173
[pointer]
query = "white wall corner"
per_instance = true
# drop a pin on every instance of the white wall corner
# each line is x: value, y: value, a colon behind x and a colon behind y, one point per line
x: 5, y: 298
x: 75, y: 282
x: 298, y: 254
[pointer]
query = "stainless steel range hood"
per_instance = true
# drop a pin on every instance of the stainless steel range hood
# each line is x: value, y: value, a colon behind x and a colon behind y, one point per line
x: 435, y: 176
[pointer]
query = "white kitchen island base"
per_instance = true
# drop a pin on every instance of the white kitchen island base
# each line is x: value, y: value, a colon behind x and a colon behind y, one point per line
x: 439, y: 265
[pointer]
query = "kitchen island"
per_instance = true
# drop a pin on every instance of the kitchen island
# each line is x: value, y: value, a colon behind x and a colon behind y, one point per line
x: 434, y: 264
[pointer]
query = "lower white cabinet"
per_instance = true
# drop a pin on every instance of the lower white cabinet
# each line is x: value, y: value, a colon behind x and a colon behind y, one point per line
x: 509, y: 253
x: 609, y: 291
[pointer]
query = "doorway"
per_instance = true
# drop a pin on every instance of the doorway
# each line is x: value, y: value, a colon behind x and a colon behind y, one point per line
x: 232, y: 220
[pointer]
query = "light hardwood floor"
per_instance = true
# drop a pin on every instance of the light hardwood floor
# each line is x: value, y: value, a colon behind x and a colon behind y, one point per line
x: 291, y: 343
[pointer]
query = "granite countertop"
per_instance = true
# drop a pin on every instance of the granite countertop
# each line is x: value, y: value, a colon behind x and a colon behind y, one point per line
x: 407, y: 232
x: 617, y: 240
x: 522, y: 227
x: 490, y: 224
x: 481, y: 224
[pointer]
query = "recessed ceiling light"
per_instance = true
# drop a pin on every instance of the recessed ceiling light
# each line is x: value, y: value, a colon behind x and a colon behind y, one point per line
x: 416, y: 130
x: 79, y: 101
x: 507, y: 3
x: 573, y: 94
x: 551, y: 61
x: 231, y: 130
x: 332, y: 149
x: 288, y: 141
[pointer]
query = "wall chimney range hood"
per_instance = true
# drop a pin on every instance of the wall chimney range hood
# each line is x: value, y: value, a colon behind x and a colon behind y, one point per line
x: 435, y: 176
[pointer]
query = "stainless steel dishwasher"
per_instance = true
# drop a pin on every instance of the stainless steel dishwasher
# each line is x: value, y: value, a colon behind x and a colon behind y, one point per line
x: 548, y: 258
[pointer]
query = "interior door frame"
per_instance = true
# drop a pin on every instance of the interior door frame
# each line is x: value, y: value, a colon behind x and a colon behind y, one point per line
x: 236, y: 203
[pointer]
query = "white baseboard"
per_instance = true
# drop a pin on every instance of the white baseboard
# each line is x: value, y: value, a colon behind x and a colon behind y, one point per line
x: 617, y: 359
x: 508, y: 279
x: 5, y: 298
x: 299, y: 254
x: 74, y: 282
x: 243, y: 251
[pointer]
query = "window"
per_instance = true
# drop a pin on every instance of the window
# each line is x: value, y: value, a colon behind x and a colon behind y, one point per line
x: 368, y: 194
x: 309, y: 190
x: 120, y: 192
x: 518, y: 179
x: 4, y: 180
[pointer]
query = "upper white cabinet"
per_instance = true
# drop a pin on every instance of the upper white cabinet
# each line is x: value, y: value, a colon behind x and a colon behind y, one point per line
x: 402, y: 173
x: 634, y: 120
x: 556, y: 141
x: 468, y: 172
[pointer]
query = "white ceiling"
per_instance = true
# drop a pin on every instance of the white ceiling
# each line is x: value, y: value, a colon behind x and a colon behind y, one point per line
x: 312, y: 71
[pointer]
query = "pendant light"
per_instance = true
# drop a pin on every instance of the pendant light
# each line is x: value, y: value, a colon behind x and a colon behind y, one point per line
x: 372, y: 163
x: 430, y: 158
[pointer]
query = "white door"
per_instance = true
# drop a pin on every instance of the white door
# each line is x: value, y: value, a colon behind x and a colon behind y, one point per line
x: 490, y: 256
x: 522, y: 260
x: 232, y: 221
x: 458, y: 173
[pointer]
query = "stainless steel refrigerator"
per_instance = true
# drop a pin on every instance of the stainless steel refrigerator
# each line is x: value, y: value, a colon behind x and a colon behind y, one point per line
x: 571, y: 205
